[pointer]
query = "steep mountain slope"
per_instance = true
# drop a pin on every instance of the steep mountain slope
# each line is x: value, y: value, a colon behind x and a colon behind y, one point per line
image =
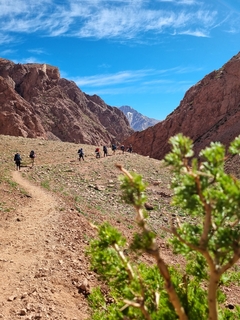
x: 209, y: 111
x: 36, y: 102
x: 138, y: 122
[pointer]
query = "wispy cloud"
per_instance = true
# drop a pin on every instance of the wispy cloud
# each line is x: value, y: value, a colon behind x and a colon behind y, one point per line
x: 107, y: 19
x: 6, y: 38
x: 113, y: 79
x: 37, y: 51
x: 166, y: 87
x: 6, y: 52
x: 181, y: 2
x: 28, y: 60
x: 195, y: 33
x: 131, y: 76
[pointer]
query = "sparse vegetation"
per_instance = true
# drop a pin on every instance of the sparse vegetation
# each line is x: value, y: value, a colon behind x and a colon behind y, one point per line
x: 73, y: 184
x: 210, y: 244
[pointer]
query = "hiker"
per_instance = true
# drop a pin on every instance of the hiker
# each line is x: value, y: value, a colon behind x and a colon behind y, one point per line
x: 105, y: 151
x: 32, y: 156
x: 130, y: 148
x: 122, y: 148
x: 97, y: 152
x: 81, y: 154
x: 17, y: 159
x: 114, y: 148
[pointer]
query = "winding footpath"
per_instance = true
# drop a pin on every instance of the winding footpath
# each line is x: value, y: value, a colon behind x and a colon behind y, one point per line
x: 29, y: 261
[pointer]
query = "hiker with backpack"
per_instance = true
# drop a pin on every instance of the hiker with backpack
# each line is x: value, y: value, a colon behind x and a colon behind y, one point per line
x: 81, y: 154
x: 130, y: 148
x: 97, y: 152
x: 114, y: 148
x: 32, y: 156
x: 17, y: 159
x: 122, y: 148
x: 105, y: 152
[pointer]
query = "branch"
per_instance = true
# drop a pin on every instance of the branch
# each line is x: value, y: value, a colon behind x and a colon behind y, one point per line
x: 231, y: 262
x: 204, y: 252
x: 208, y: 210
x: 125, y: 261
x: 140, y: 305
x: 234, y: 223
x: 162, y: 266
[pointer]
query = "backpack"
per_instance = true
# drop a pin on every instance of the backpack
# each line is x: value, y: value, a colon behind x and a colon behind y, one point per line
x: 32, y: 155
x: 80, y: 151
x: 17, y: 157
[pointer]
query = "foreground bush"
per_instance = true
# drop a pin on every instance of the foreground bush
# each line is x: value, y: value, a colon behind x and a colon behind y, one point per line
x: 211, y: 245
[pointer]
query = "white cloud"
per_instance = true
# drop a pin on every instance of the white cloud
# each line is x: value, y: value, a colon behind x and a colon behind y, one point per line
x: 195, y: 33
x: 6, y: 52
x: 107, y: 19
x: 130, y: 76
x: 112, y: 79
x: 166, y: 87
x: 37, y: 51
x: 181, y: 2
x: 6, y: 38
x: 28, y: 60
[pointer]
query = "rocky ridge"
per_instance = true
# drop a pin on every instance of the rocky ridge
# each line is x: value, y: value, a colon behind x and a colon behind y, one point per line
x: 35, y: 102
x: 209, y: 111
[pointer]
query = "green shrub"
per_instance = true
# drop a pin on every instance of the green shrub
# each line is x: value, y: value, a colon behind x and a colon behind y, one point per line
x: 210, y: 244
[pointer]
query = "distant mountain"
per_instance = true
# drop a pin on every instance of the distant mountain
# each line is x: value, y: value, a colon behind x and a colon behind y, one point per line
x: 137, y: 121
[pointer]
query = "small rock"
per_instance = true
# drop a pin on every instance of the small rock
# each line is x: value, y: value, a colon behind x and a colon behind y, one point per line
x: 99, y: 188
x: 148, y: 206
x: 23, y: 312
x: 84, y: 285
x: 24, y: 295
x: 12, y: 298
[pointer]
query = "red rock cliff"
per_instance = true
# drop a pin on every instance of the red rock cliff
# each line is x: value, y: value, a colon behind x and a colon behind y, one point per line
x: 36, y: 102
x: 209, y: 111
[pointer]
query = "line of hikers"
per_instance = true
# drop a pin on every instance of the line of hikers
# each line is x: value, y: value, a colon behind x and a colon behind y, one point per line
x: 105, y: 151
x: 17, y: 159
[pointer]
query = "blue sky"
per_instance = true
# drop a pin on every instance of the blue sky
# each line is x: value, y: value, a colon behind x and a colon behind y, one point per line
x: 141, y: 53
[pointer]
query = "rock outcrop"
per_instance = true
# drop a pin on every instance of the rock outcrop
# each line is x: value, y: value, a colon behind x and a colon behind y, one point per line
x: 209, y: 111
x: 36, y: 102
x: 138, y: 121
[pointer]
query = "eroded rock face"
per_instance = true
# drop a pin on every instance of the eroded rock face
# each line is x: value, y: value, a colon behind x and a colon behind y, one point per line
x: 209, y: 111
x: 36, y: 102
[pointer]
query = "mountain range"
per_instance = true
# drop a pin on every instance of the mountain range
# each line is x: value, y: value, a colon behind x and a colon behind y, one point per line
x: 138, y: 122
x: 36, y: 102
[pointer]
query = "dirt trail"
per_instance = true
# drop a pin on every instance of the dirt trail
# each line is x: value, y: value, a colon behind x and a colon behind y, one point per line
x: 30, y: 261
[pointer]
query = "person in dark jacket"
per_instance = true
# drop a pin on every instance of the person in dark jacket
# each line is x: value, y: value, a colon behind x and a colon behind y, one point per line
x: 32, y: 156
x: 17, y: 159
x: 105, y: 151
x: 81, y: 154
